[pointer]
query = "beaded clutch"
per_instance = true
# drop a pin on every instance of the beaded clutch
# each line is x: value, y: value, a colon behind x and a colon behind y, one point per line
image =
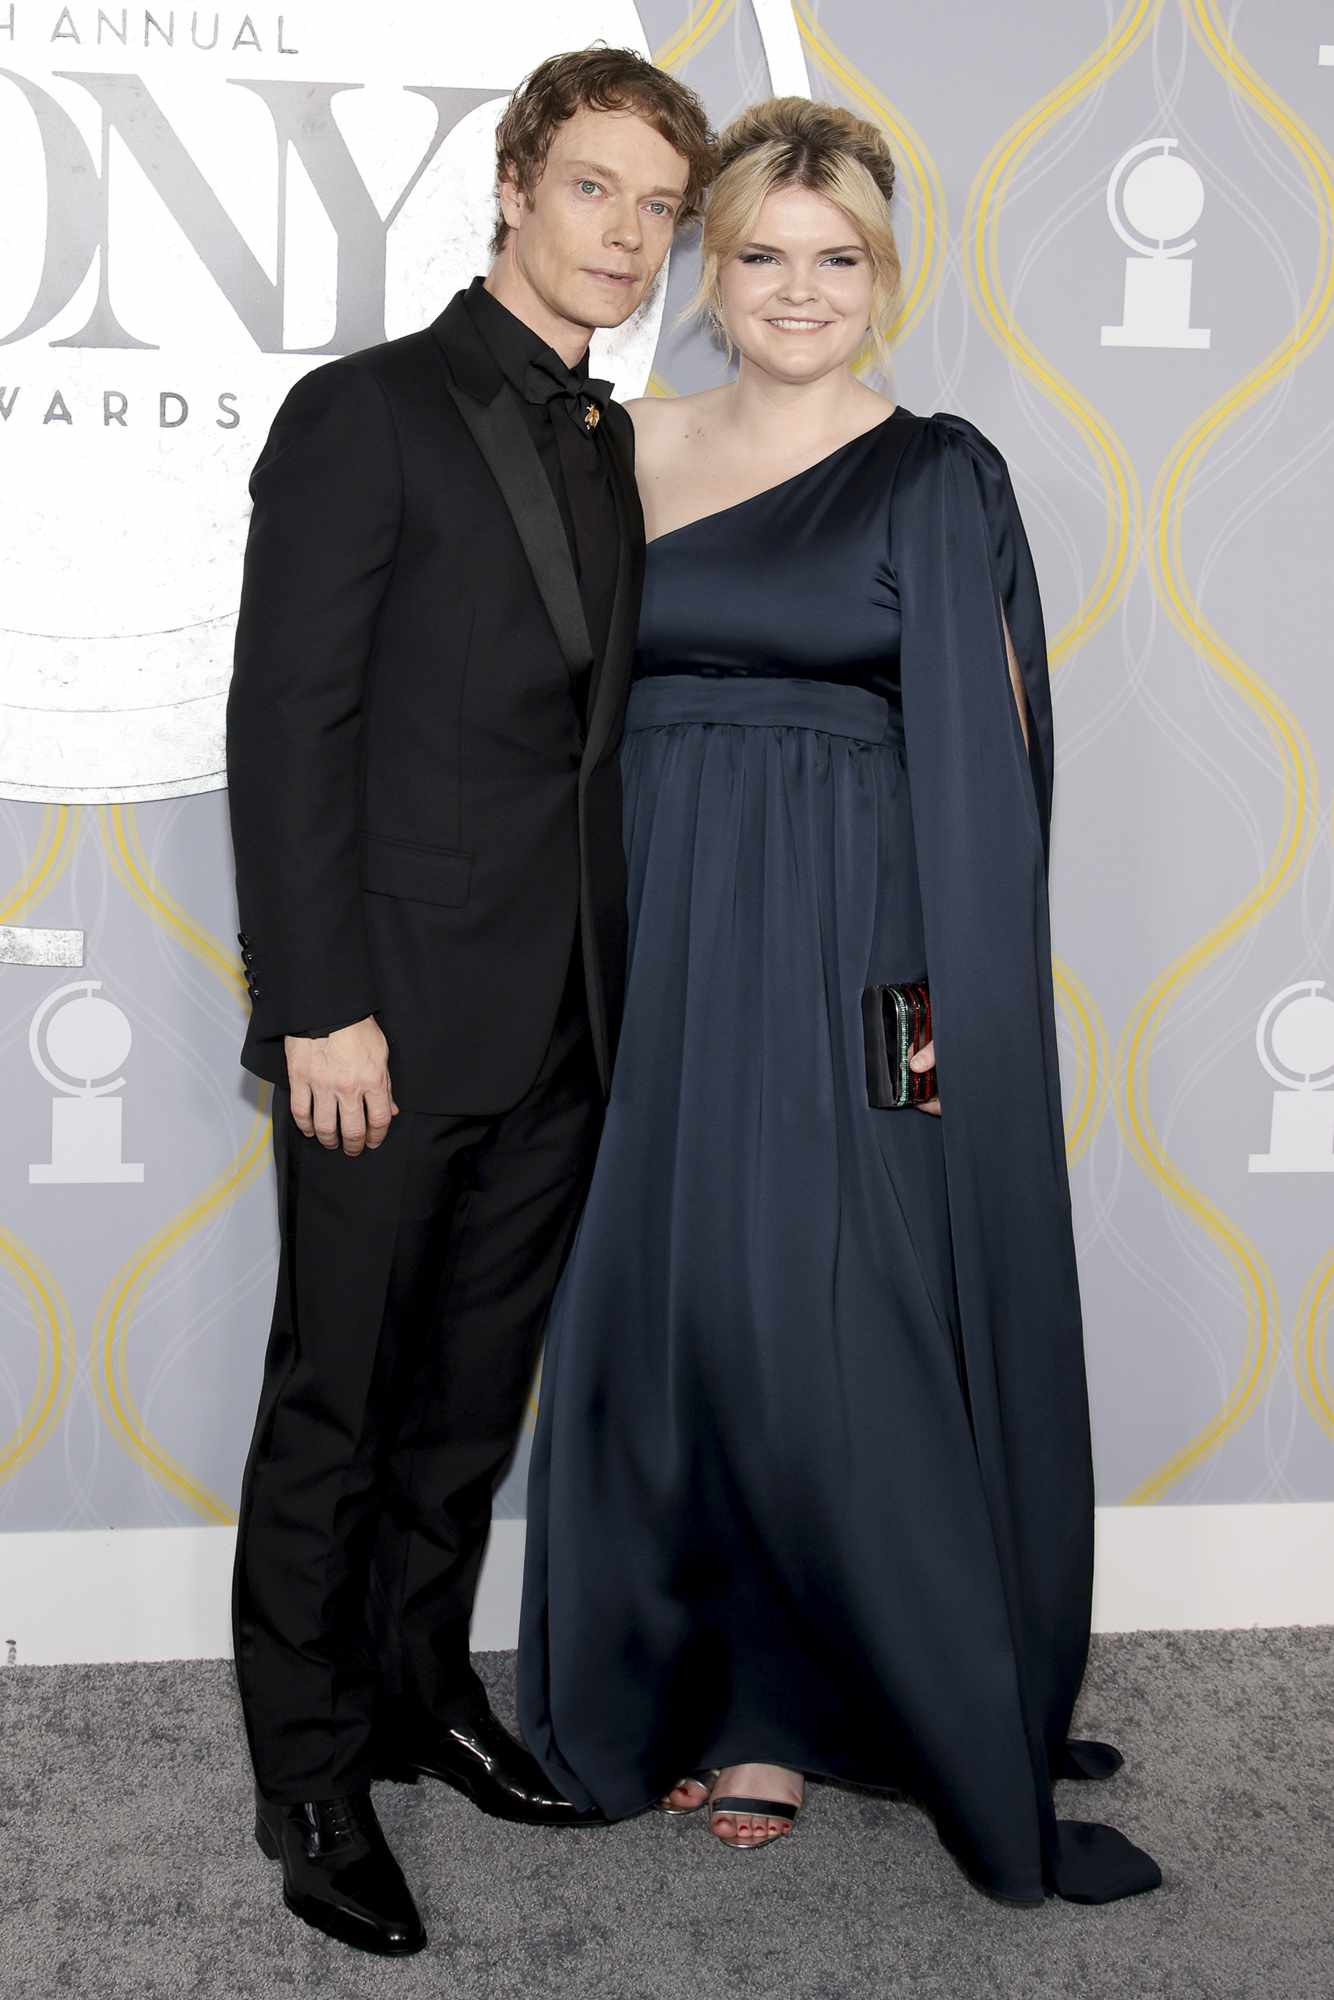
x: 896, y: 1022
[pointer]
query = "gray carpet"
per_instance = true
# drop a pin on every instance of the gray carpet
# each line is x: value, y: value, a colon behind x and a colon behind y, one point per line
x: 128, y: 1869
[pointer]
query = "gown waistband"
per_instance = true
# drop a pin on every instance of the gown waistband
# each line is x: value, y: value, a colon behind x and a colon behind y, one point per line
x: 762, y: 701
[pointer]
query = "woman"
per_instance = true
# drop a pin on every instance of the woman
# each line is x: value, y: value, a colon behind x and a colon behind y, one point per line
x: 811, y: 1486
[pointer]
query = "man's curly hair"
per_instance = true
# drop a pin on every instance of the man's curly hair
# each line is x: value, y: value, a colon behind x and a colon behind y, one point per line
x: 601, y: 79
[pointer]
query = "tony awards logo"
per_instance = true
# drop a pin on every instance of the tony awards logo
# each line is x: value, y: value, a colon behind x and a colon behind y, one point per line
x: 1295, y: 1042
x: 198, y: 206
x: 76, y: 1042
x: 1154, y: 200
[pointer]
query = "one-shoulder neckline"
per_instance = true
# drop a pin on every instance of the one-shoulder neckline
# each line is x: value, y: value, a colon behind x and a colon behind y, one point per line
x: 718, y: 513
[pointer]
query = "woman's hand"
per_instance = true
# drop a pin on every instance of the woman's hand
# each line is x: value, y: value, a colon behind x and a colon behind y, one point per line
x: 923, y: 1060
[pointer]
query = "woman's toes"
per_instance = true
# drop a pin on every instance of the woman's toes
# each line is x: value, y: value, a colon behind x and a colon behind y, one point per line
x: 765, y: 1781
x: 686, y: 1795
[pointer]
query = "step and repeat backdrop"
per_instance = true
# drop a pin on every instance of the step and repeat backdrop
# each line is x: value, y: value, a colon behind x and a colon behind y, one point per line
x: 1117, y: 226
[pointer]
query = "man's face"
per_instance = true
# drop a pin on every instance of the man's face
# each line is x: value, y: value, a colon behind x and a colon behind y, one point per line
x: 601, y: 219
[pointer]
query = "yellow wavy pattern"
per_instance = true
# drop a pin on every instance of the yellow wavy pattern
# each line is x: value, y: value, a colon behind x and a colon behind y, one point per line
x: 111, y: 1384
x: 1310, y: 1340
x: 982, y: 266
x: 119, y: 828
x: 1088, y: 1096
x: 695, y: 32
x: 924, y: 258
x: 125, y: 851
x: 55, y: 1349
x: 57, y: 840
x: 1310, y: 1345
x: 1294, y: 751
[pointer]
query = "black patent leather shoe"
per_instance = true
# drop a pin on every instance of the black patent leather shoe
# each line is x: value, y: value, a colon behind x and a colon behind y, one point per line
x: 339, y: 1874
x: 478, y: 1757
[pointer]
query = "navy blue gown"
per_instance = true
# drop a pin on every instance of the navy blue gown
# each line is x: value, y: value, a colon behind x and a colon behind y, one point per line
x: 811, y: 1479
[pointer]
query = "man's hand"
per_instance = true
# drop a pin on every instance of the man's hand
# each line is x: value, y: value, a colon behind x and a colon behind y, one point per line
x: 923, y: 1060
x: 341, y: 1082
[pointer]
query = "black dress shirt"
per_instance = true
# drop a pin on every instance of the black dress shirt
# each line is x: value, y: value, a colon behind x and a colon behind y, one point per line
x: 575, y: 464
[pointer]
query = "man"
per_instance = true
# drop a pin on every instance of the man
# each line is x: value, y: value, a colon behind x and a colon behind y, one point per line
x: 437, y: 622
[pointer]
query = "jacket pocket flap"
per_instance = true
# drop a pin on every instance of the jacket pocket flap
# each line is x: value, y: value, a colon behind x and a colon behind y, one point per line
x: 424, y: 874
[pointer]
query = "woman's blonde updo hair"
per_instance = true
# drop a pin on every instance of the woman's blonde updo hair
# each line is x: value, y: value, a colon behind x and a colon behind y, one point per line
x: 792, y: 142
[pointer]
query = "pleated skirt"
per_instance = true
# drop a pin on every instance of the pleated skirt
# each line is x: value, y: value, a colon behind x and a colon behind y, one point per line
x: 756, y: 1525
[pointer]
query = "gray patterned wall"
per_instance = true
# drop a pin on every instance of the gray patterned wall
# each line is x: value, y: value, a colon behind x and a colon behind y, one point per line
x: 1117, y: 227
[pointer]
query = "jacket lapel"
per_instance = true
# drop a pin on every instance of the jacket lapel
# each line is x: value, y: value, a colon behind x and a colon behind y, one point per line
x: 497, y: 424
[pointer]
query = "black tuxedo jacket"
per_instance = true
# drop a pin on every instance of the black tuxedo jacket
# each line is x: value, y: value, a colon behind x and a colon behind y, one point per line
x: 420, y: 816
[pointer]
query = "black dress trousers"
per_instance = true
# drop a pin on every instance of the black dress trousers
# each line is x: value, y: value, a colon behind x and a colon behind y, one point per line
x: 413, y: 1285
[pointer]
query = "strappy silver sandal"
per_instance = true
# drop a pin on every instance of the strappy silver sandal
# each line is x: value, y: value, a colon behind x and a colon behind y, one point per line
x: 736, y: 1808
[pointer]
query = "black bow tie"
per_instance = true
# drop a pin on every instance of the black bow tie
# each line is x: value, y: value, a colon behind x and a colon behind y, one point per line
x: 547, y: 380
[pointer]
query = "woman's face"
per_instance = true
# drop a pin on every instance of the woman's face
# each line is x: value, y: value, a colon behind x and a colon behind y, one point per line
x: 796, y: 297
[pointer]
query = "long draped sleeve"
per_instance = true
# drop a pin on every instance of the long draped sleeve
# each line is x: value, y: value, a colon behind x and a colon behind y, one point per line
x: 981, y: 809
